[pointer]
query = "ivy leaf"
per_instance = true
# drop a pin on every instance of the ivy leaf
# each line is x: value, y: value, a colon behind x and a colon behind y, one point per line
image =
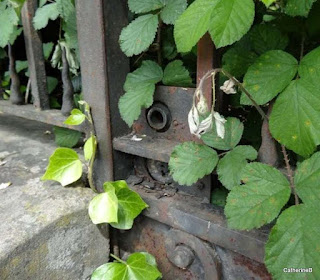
x: 266, y: 38
x: 175, y: 74
x: 298, y: 7
x: 236, y: 61
x: 139, y: 87
x: 295, y: 119
x: 65, y: 8
x: 144, y: 6
x: 21, y: 65
x: 65, y: 137
x: 138, y: 35
x: 268, y: 2
x: 137, y: 267
x: 88, y: 147
x: 309, y: 68
x: 190, y: 162
x: 230, y: 167
x: 231, y: 19
x: 47, y: 49
x: 268, y: 76
x: 233, y: 133
x: 8, y: 21
x: 103, y: 208
x: 198, y: 13
x: 76, y: 118
x: 130, y: 204
x: 43, y: 14
x: 64, y: 167
x: 260, y: 200
x: 307, y: 178
x: 172, y: 10
x: 294, y: 242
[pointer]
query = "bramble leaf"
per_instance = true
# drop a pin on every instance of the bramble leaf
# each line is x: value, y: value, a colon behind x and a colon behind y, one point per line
x: 307, y: 180
x: 43, y: 14
x: 76, y: 118
x: 190, y: 162
x: 298, y: 7
x: 294, y: 242
x: 230, y: 167
x: 268, y: 76
x: 266, y: 38
x: 65, y: 8
x: 8, y: 21
x: 65, y: 137
x: 64, y: 167
x: 139, y: 266
x: 233, y: 133
x: 172, y: 10
x: 138, y: 35
x: 309, y: 68
x: 295, y: 119
x: 139, y: 87
x: 144, y: 6
x: 175, y: 74
x: 130, y: 204
x: 103, y: 208
x: 260, y: 200
x: 230, y: 20
x: 199, y: 13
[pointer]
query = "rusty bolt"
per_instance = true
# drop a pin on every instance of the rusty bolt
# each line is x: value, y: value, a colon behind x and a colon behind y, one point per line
x: 182, y: 256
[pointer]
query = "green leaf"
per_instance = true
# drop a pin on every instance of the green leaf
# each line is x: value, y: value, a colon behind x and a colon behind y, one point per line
x: 298, y: 7
x: 169, y: 50
x: 65, y: 8
x: 219, y: 196
x: 172, y: 10
x: 8, y: 21
x: 103, y: 208
x: 233, y: 133
x: 230, y: 20
x: 47, y: 50
x: 309, y: 68
x: 295, y: 119
x: 144, y: 6
x: 190, y: 162
x: 266, y: 38
x: 137, y: 267
x: 260, y: 200
x: 76, y: 118
x: 268, y: 2
x: 88, y: 147
x: 198, y: 13
x: 42, y: 2
x: 52, y: 83
x: 236, y: 61
x: 307, y: 180
x: 230, y: 167
x: 175, y: 74
x: 268, y: 76
x: 43, y: 14
x: 138, y: 35
x: 17, y: 5
x: 65, y: 137
x: 294, y: 242
x: 21, y: 65
x: 64, y: 167
x: 139, y: 87
x: 130, y: 204
x: 15, y: 34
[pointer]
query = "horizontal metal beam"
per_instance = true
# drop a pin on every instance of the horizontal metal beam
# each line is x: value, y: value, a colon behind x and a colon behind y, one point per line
x: 205, y: 221
x: 53, y: 117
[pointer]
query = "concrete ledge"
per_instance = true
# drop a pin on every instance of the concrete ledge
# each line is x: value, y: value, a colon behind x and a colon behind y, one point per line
x: 45, y: 229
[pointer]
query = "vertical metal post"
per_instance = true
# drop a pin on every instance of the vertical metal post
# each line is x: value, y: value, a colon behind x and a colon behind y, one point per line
x: 103, y: 69
x: 35, y: 56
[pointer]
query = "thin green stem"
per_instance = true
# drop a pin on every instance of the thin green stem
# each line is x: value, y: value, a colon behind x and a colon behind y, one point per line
x: 118, y: 259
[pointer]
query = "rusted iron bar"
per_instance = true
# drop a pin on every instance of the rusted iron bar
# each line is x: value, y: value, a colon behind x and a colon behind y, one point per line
x: 204, y: 221
x: 35, y: 57
x: 103, y: 71
x: 53, y: 117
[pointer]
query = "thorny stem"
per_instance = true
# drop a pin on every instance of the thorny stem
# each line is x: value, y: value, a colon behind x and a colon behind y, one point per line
x: 263, y: 115
x: 118, y: 259
x: 159, y: 43
x: 290, y: 174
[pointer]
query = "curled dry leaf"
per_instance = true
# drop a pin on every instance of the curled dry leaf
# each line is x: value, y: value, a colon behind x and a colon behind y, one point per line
x: 219, y: 121
x: 228, y: 87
